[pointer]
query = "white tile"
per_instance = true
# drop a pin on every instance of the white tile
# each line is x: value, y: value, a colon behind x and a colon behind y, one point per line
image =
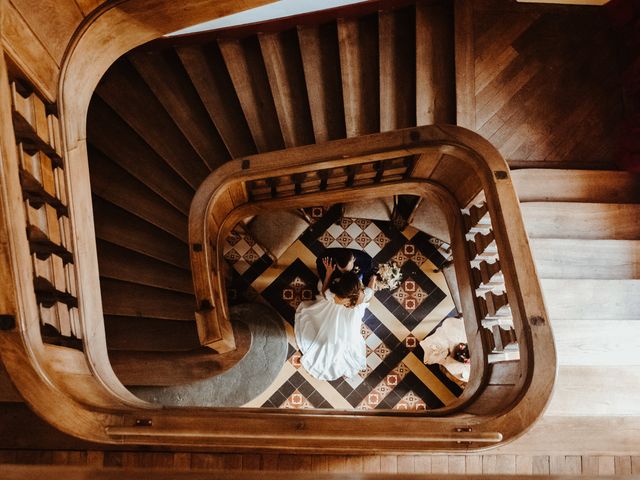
x: 373, y: 361
x: 354, y: 381
x: 373, y: 341
x: 335, y: 230
x: 354, y: 230
x: 372, y: 249
x: 372, y: 230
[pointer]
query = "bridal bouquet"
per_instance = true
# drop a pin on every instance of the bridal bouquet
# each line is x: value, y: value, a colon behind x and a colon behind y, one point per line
x: 389, y: 275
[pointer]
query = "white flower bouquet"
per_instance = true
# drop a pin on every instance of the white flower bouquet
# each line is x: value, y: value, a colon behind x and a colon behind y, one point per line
x: 389, y: 276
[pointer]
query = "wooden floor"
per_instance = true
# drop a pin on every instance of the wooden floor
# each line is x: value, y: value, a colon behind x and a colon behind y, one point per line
x: 434, y: 464
x: 545, y: 91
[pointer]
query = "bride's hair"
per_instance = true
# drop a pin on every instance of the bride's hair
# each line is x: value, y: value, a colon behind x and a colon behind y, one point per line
x: 349, y: 286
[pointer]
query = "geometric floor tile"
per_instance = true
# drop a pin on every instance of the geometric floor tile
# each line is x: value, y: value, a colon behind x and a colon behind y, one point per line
x: 395, y: 377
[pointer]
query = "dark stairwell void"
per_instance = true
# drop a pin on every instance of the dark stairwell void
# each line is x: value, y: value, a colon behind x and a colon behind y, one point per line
x: 167, y: 114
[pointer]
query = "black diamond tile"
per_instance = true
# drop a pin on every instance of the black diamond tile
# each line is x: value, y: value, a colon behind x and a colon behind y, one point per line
x: 274, y: 292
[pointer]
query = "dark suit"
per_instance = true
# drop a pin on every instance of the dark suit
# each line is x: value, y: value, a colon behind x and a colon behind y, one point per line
x: 363, y: 264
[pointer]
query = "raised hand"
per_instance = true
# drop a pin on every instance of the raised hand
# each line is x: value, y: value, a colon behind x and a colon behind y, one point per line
x: 329, y: 266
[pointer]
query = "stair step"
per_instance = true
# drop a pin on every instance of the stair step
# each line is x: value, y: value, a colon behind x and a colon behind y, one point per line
x: 129, y: 299
x: 122, y: 228
x: 112, y: 183
x: 582, y: 220
x: 149, y: 334
x: 594, y: 259
x: 122, y: 264
x: 601, y: 343
x: 599, y: 392
x: 572, y: 435
x: 592, y: 299
x: 595, y: 186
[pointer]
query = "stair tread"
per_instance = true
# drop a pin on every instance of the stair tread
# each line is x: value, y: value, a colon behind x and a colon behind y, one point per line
x: 582, y: 220
x: 584, y: 342
x: 584, y: 258
x: 539, y: 184
x: 573, y: 435
x: 593, y: 385
x: 589, y: 299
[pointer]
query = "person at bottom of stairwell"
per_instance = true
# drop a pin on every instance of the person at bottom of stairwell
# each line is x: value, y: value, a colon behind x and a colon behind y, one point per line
x: 346, y: 260
x: 327, y: 330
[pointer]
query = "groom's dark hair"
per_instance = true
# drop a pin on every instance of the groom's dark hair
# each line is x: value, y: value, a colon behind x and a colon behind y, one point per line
x: 343, y: 257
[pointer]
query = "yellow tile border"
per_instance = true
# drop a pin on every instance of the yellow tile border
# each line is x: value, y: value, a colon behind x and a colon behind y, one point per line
x: 432, y: 382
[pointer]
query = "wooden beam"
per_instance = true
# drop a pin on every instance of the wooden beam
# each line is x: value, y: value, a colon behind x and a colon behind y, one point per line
x: 246, y: 69
x: 112, y: 183
x: 320, y: 60
x: 282, y: 61
x: 122, y: 228
x: 129, y: 96
x: 465, y: 61
x: 135, y: 156
x: 358, y: 43
x: 397, y: 43
x: 165, y: 76
x: 123, y: 264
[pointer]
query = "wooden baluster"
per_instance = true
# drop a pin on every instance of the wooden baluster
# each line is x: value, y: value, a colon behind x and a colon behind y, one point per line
x: 504, y: 339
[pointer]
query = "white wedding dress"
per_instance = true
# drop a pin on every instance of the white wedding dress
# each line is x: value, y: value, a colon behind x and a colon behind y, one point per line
x: 328, y: 335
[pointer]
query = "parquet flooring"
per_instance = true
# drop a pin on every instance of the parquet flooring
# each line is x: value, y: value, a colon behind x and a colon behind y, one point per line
x: 546, y: 81
x: 542, y: 465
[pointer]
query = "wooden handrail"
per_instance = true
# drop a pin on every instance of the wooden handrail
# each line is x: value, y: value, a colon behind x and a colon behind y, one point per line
x: 88, y: 397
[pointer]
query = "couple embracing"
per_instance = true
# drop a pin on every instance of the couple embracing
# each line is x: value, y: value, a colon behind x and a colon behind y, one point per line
x: 328, y: 329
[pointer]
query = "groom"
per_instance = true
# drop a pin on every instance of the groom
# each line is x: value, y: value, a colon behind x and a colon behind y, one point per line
x: 346, y: 260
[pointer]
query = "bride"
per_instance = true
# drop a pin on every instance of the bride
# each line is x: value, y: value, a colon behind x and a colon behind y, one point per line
x: 328, y: 329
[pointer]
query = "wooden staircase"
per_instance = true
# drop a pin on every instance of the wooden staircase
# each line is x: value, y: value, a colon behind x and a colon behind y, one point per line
x: 585, y: 238
x: 167, y: 114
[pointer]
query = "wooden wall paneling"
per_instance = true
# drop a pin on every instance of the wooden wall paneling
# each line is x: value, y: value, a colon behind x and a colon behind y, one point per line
x: 28, y: 53
x: 135, y: 156
x: 114, y: 184
x: 320, y: 61
x: 129, y: 299
x: 582, y: 220
x: 397, y: 61
x: 246, y: 68
x: 130, y: 97
x: 359, y: 67
x: 435, y: 73
x: 283, y: 63
x: 53, y: 22
x: 126, y: 265
x: 464, y: 64
x: 206, y: 69
x: 151, y: 334
x: 122, y: 228
x: 165, y: 76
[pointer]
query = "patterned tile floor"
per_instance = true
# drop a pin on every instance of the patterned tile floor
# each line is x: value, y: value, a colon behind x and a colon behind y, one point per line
x: 394, y: 324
